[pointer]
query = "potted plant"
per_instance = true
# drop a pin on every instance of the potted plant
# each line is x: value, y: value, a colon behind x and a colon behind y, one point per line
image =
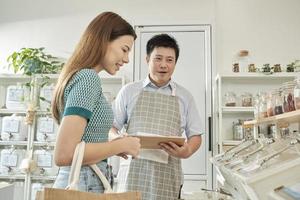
x: 33, y: 61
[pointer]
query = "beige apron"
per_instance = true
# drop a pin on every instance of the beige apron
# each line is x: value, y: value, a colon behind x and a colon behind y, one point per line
x: 154, y: 113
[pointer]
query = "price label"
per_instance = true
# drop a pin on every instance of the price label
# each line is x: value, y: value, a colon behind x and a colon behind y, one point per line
x: 9, y: 160
x: 44, y: 160
x: 11, y: 126
x: 46, y: 125
x: 15, y: 94
x: 48, y: 93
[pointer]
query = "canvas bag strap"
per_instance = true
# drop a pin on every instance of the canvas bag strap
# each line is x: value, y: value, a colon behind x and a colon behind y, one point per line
x: 76, y: 166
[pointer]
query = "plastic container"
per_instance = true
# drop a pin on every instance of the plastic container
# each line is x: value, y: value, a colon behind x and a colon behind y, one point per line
x: 46, y: 129
x: 14, y: 128
x: 46, y: 93
x: 17, y: 97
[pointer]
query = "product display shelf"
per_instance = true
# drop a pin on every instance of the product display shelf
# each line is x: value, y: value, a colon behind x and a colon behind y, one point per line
x: 110, y: 87
x: 263, y: 182
x: 240, y: 83
x: 290, y: 117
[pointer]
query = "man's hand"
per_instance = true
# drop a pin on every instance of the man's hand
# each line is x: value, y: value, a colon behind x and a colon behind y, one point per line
x: 172, y: 149
x: 185, y: 151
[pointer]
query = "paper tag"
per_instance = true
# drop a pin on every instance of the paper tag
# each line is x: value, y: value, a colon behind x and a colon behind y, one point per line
x: 46, y: 125
x: 11, y: 126
x: 15, y: 94
x: 47, y: 93
x: 44, y: 160
x: 9, y: 160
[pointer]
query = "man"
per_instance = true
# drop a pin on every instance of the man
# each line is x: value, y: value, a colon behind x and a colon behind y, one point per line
x: 158, y: 105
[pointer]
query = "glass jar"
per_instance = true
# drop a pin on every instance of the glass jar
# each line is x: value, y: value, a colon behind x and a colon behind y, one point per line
x: 246, y: 99
x: 270, y: 104
x: 262, y: 106
x: 242, y: 59
x: 251, y: 68
x: 297, y: 93
x: 277, y: 68
x: 288, y: 96
x: 230, y: 99
x: 235, y: 67
x: 278, y: 104
x: 238, y: 130
x: 256, y: 106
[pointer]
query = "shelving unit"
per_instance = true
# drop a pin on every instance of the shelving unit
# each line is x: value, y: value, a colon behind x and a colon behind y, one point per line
x: 275, y: 165
x: 240, y: 83
x: 110, y: 87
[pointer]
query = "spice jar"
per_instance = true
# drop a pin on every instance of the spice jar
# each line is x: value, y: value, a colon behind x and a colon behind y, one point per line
x: 251, y: 68
x: 288, y: 96
x: 297, y: 93
x: 238, y: 130
x: 277, y: 68
x: 246, y: 99
x: 230, y: 99
x: 241, y: 61
x: 270, y: 104
x: 236, y: 67
x: 278, y: 103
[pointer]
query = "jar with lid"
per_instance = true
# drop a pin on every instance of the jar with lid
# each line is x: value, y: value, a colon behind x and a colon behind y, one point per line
x: 288, y: 96
x: 238, y: 130
x: 246, y: 99
x: 235, y: 67
x: 230, y: 99
x: 251, y: 68
x: 256, y: 106
x: 242, y: 58
x: 262, y: 106
x: 277, y: 68
x: 278, y: 103
x: 297, y: 93
x: 270, y: 104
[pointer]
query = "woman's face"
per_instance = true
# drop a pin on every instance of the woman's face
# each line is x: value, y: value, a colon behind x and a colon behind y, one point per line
x: 117, y: 54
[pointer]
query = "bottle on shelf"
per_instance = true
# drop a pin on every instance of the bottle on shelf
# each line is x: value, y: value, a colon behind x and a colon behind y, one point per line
x: 278, y: 103
x: 297, y: 93
x: 288, y: 96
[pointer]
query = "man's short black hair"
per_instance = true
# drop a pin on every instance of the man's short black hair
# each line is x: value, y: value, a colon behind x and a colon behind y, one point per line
x: 162, y: 40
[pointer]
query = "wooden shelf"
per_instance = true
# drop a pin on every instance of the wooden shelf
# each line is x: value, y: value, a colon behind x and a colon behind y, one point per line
x: 290, y: 117
x: 227, y: 109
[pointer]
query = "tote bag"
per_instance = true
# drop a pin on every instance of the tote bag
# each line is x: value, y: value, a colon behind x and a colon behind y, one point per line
x: 71, y: 191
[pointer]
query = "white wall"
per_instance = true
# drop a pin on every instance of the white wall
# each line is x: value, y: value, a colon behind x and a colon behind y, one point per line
x: 269, y: 29
x: 58, y: 24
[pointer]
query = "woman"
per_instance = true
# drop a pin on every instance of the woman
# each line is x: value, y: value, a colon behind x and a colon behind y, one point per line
x: 80, y: 107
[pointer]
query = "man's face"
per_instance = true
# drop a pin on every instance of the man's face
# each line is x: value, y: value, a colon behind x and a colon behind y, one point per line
x: 161, y: 63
